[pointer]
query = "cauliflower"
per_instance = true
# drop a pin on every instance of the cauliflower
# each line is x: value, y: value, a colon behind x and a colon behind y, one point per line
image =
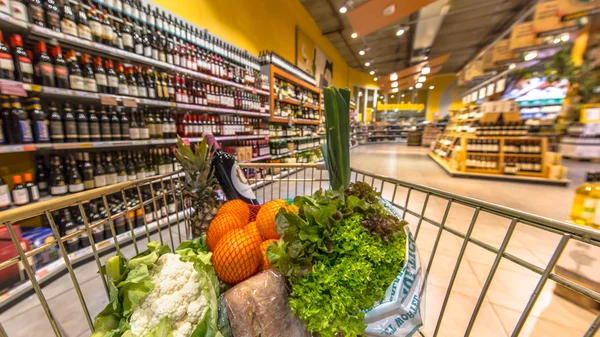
x: 176, y: 295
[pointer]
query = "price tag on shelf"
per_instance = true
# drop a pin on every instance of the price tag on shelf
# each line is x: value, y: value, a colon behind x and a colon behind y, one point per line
x: 254, y: 91
x: 108, y: 100
x: 129, y: 102
x: 12, y: 88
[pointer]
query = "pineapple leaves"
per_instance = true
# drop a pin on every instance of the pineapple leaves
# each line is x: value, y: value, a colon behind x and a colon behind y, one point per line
x: 336, y: 150
x: 196, y: 164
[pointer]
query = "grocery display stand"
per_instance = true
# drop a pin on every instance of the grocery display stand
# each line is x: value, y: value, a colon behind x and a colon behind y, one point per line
x: 409, y: 199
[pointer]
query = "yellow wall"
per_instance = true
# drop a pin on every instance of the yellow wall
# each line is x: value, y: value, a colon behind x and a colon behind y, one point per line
x: 264, y: 25
x: 444, y: 85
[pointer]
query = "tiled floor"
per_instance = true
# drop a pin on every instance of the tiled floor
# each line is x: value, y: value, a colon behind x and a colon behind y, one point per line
x: 509, y: 291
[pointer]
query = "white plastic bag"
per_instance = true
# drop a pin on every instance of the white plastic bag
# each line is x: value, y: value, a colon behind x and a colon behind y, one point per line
x: 399, y: 313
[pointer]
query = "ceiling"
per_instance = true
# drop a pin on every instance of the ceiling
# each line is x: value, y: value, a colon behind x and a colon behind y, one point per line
x: 468, y: 26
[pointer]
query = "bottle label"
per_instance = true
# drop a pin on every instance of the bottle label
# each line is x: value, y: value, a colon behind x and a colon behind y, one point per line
x: 169, y: 58
x: 96, y: 28
x: 127, y: 40
x: 125, y: 131
x: 162, y: 169
x: 151, y: 93
x: 127, y: 8
x: 20, y: 197
x: 122, y: 178
x: 19, y: 11
x: 83, y: 130
x: 107, y: 32
x: 6, y: 62
x: 144, y: 133
x: 238, y: 179
x: 131, y: 177
x: 90, y: 84
x: 139, y: 49
x: 5, y: 7
x: 4, y: 196
x: 111, y: 179
x: 171, y: 91
x: 105, y: 128
x: 100, y: 181
x: 73, y: 188
x: 42, y: 131
x: 589, y: 208
x: 113, y: 81
x: 148, y: 51
x: 71, y: 130
x: 61, y: 72
x: 149, y: 217
x: 142, y: 92
x: 101, y: 79
x: 88, y: 184
x: 133, y: 90
x: 155, y: 54
x: 58, y: 190
x: 76, y: 82
x: 134, y: 133
x: 95, y: 130
x: 53, y: 19
x: 25, y: 65
x: 162, y: 57
x: 84, y: 32
x: 172, y: 208
x: 26, y: 131
x: 141, y: 175
x: 123, y: 89
x: 116, y: 130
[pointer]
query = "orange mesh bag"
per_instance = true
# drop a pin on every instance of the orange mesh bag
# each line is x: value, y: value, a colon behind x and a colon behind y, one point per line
x: 265, y: 263
x: 237, y: 207
x: 220, y: 226
x: 254, y: 211
x: 254, y: 234
x: 265, y: 219
x: 235, y: 258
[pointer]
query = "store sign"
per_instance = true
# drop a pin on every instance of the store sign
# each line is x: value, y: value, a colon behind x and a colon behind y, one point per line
x: 402, y: 106
x: 523, y: 36
x: 575, y: 9
x: 547, y: 22
x: 502, y: 53
x: 490, y: 89
x: 482, y: 93
x: 500, y: 85
x: 473, y: 70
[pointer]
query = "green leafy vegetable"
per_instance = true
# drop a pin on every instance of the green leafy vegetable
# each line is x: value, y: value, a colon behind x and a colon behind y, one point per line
x: 337, y: 260
x: 336, y: 150
x: 163, y: 329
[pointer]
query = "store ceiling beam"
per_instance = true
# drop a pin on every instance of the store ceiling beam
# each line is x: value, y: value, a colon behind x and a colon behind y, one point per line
x: 340, y: 22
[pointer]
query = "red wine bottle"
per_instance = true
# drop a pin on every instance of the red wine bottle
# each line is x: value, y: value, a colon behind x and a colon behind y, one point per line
x: 231, y: 178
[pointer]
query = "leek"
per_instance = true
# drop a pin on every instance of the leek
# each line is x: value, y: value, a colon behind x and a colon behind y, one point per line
x: 336, y: 149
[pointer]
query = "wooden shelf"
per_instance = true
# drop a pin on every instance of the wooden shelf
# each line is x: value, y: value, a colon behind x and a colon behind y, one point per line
x: 296, y: 121
x: 488, y: 154
x: 509, y: 154
x: 277, y: 72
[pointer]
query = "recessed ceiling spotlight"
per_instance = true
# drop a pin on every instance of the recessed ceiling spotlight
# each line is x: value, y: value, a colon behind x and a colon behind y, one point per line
x: 393, y: 77
x: 565, y: 37
x: 394, y: 84
x: 403, y: 95
x: 362, y: 52
x: 354, y: 35
x: 431, y: 87
x: 375, y: 79
x: 392, y: 96
x: 419, y: 85
x: 426, y: 58
x: 426, y: 70
x: 531, y: 56
x: 557, y: 40
x: 395, y: 109
x: 367, y: 64
x: 410, y: 88
x: 372, y: 72
x: 512, y: 66
x: 422, y: 79
x: 343, y: 9
x: 395, y: 90
x: 389, y: 10
x: 400, y: 31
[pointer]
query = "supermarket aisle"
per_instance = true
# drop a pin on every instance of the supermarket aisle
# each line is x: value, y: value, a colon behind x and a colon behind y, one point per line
x: 512, y: 285
x: 412, y: 164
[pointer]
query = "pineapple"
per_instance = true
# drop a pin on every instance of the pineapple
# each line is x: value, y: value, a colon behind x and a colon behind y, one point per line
x: 201, y: 184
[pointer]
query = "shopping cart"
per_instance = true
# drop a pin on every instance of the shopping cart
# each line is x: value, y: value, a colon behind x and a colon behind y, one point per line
x: 155, y: 209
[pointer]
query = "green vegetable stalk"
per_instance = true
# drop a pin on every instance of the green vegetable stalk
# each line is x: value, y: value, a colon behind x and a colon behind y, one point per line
x: 336, y: 149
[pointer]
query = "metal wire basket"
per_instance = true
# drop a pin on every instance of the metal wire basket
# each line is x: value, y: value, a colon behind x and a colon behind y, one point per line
x: 61, y: 297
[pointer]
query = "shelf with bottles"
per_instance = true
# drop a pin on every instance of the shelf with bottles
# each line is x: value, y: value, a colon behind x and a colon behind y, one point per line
x: 293, y: 98
x: 195, y: 52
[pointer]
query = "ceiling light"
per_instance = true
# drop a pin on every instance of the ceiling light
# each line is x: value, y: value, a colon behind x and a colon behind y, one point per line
x: 389, y: 10
x: 565, y: 37
x: 354, y: 35
x: 419, y: 85
x: 367, y: 64
x: 372, y: 72
x: 426, y: 70
x: 395, y: 90
x: 431, y: 87
x: 392, y: 96
x: 531, y: 56
x: 410, y: 88
x: 396, y: 109
x: 343, y: 9
x: 393, y: 77
x: 426, y: 58
x: 422, y: 79
x: 400, y: 32
x: 512, y: 66
x: 375, y: 79
x: 557, y: 40
x: 394, y: 84
x: 362, y: 52
x: 403, y: 95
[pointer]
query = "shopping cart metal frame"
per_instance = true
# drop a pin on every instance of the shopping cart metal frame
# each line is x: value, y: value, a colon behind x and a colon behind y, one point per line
x: 269, y: 181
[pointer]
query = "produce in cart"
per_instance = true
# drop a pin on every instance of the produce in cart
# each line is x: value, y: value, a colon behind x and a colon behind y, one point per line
x: 161, y: 294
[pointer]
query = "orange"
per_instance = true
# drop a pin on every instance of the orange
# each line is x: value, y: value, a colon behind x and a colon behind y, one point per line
x: 237, y: 207
x: 265, y: 219
x: 265, y: 263
x: 235, y: 258
x: 219, y: 226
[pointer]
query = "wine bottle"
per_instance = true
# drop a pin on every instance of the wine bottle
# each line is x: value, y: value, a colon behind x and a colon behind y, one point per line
x: 36, y: 13
x: 111, y: 171
x: 89, y: 78
x: 88, y: 172
x: 41, y: 177
x: 20, y: 123
x: 105, y: 128
x: 61, y: 71
x: 5, y: 199
x: 32, y: 188
x: 70, y: 124
x: 20, y: 194
x: 40, y: 122
x: 58, y: 184
x: 125, y: 133
x: 67, y: 24
x: 22, y: 61
x: 115, y: 124
x: 231, y: 178
x: 95, y: 133
x: 52, y: 15
x: 75, y: 75
x: 112, y: 79
x: 74, y: 177
x: 83, y: 128
x: 100, y: 75
x: 99, y: 172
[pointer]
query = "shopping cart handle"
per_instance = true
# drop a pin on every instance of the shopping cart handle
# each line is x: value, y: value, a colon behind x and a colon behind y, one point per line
x: 321, y: 166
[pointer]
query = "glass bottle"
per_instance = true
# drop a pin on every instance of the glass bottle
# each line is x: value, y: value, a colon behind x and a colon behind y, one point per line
x: 87, y: 171
x: 89, y: 78
x: 123, y: 85
x: 100, y: 76
x: 74, y: 179
x: 20, y: 123
x: 22, y: 61
x: 43, y: 69
x: 36, y: 13
x: 99, y: 172
x: 111, y: 171
x: 83, y: 28
x: 115, y: 123
x: 94, y: 121
x: 128, y: 43
x: 39, y: 121
x: 125, y: 133
x: 41, y: 177
x: 61, y: 71
x: 52, y: 15
x: 83, y: 128
x: 75, y: 75
x: 132, y: 83
x: 111, y: 78
x: 58, y: 185
x: 95, y: 24
x: 105, y: 128
x: 134, y: 130
x: 70, y: 124
x: 7, y: 65
x: 67, y: 23
x: 20, y: 194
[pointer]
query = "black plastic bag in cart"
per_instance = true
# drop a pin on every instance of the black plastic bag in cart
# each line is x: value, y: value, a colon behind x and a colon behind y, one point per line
x: 400, y: 313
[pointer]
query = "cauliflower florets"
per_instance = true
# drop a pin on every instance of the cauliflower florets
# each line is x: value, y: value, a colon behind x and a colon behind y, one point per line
x: 176, y: 294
